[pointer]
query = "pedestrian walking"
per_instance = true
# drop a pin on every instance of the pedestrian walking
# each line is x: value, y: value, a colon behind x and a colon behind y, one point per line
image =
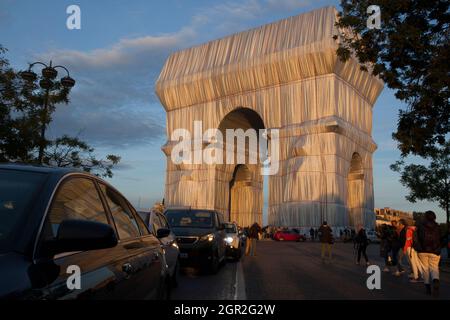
x: 428, y: 246
x: 361, y: 243
x: 386, y: 236
x: 398, y: 242
x: 326, y: 238
x: 413, y: 258
x: 311, y: 233
x: 253, y: 236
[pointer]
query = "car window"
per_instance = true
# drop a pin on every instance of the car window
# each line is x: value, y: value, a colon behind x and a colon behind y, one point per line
x: 217, y: 219
x: 230, y: 228
x: 141, y: 223
x: 18, y: 190
x: 76, y: 198
x: 190, y: 218
x: 164, y: 223
x: 123, y: 218
x: 156, y: 222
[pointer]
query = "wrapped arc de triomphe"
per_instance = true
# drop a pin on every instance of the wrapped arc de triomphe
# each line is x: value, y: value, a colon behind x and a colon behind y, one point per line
x: 286, y: 76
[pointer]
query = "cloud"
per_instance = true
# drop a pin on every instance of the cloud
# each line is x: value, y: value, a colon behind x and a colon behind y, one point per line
x: 113, y: 102
x: 288, y: 4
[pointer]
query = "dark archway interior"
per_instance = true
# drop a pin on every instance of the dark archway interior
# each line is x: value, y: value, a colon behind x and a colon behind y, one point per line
x: 243, y: 118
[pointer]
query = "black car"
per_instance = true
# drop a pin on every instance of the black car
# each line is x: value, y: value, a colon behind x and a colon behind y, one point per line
x: 66, y: 234
x: 200, y: 236
x: 158, y: 225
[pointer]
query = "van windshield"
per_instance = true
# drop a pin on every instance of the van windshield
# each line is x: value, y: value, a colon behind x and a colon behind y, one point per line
x: 190, y: 218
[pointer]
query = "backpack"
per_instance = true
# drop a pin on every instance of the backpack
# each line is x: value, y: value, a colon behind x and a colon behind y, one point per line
x: 427, y: 239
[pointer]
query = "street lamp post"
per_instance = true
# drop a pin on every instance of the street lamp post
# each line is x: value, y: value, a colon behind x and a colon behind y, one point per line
x: 49, y: 73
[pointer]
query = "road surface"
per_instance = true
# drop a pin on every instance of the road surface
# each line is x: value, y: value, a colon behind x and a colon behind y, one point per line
x: 291, y: 270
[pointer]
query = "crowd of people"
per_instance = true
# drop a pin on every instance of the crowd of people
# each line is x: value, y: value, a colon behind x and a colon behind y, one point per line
x: 420, y: 245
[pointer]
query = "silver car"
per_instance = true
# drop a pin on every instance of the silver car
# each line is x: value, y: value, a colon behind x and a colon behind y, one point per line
x: 233, y: 241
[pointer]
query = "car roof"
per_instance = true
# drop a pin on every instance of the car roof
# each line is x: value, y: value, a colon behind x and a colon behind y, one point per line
x: 38, y: 168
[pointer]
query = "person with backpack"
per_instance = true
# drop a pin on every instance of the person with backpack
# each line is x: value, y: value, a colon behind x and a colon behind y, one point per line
x: 253, y: 236
x: 428, y: 246
x: 361, y: 243
x: 326, y: 238
x: 411, y: 254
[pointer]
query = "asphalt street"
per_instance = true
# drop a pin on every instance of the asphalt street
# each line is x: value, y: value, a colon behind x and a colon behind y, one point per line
x: 291, y: 270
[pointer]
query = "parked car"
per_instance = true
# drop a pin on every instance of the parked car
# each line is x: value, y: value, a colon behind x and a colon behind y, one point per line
x: 200, y: 235
x: 55, y: 222
x: 158, y: 225
x: 233, y: 240
x: 288, y: 235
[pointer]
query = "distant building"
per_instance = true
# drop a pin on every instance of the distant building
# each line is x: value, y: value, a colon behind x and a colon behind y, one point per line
x: 386, y: 215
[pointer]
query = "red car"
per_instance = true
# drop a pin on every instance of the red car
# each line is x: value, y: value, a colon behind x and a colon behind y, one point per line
x: 289, y: 235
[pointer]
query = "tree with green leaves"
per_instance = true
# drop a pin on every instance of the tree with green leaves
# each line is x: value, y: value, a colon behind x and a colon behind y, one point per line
x: 428, y: 182
x: 411, y: 54
x: 25, y: 110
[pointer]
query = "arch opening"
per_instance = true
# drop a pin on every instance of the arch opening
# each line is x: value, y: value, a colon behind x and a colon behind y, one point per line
x: 245, y: 192
x: 355, y: 191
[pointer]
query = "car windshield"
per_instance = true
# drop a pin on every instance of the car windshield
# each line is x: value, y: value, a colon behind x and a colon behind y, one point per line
x: 17, y: 191
x: 190, y: 218
x: 230, y: 228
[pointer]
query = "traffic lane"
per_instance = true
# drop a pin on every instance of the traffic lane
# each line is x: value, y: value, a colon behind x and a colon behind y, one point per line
x: 196, y: 285
x: 284, y: 270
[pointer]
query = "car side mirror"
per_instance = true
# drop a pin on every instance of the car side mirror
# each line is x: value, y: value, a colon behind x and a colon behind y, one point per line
x: 162, y: 233
x: 83, y: 235
x: 221, y: 226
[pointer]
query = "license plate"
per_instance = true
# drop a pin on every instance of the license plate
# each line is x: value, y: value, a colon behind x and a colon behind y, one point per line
x: 183, y: 255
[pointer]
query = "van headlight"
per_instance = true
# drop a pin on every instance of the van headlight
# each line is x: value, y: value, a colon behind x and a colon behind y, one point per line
x: 229, y: 240
x: 208, y: 237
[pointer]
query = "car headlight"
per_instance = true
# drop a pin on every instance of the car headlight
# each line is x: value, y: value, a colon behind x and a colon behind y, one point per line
x: 229, y: 240
x: 208, y: 237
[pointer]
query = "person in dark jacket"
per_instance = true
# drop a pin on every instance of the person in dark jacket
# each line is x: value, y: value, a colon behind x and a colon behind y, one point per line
x: 326, y: 238
x: 428, y: 246
x: 396, y: 245
x: 361, y: 243
x: 253, y: 235
x: 311, y: 233
x: 386, y: 245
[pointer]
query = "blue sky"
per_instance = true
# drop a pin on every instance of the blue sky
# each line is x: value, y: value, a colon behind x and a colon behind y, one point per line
x: 116, y: 58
